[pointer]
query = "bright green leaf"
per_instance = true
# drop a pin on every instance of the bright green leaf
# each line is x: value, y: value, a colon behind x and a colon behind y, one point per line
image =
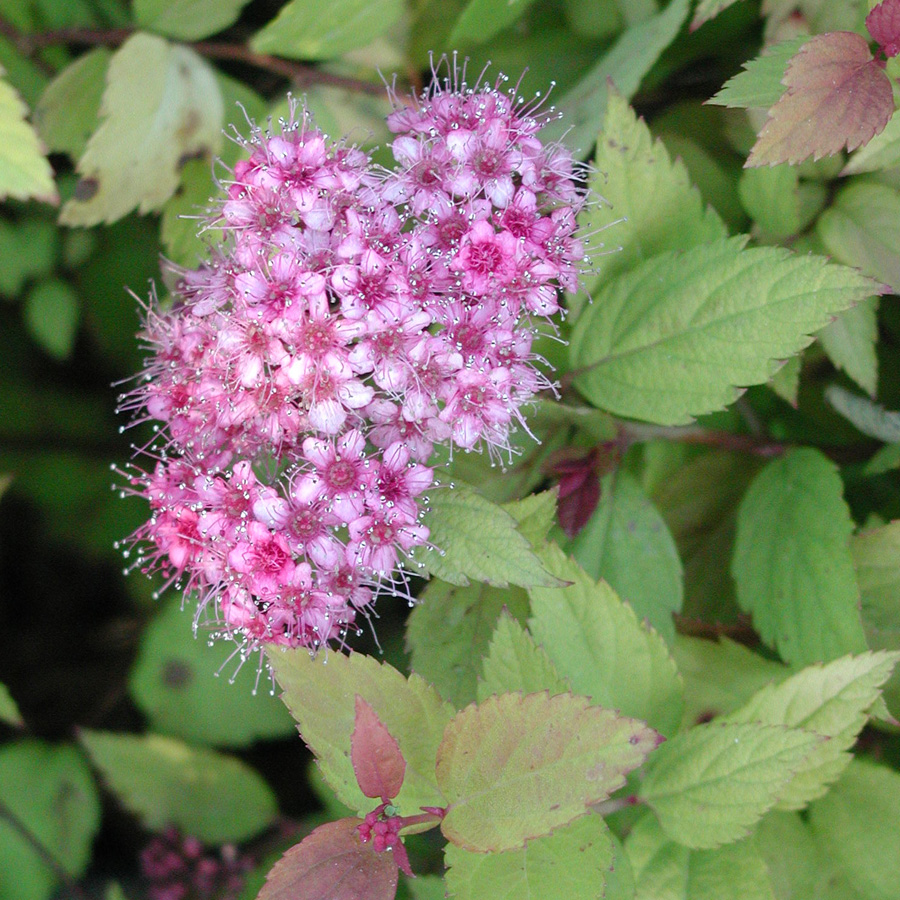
x: 449, y: 630
x: 597, y: 643
x: 195, y: 692
x: 515, y: 663
x: 627, y: 543
x: 476, y: 539
x: 771, y: 198
x: 573, y: 862
x: 24, y: 170
x: 677, y: 336
x: 303, y: 30
x: 321, y: 695
x: 516, y: 767
x: 710, y: 785
x: 760, y: 84
x: 535, y: 515
x: 786, y: 844
x: 188, y: 20
x: 51, y: 792
x: 831, y: 701
x: 69, y: 109
x: 857, y: 824
x: 162, y: 106
x: 850, y: 342
x: 214, y: 797
x: 9, y: 711
x: 51, y: 311
x: 870, y: 418
x: 792, y: 560
x: 882, y: 152
x: 786, y: 381
x: 482, y: 19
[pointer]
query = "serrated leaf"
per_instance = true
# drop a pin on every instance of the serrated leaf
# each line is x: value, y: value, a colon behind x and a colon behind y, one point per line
x: 627, y: 543
x: 572, y: 862
x: 650, y: 204
x: 162, y: 106
x: 710, y: 785
x: 535, y: 515
x: 483, y: 19
x: 68, y: 112
x: 792, y: 560
x: 332, y: 864
x: 856, y: 824
x: 449, y: 630
x: 664, y: 870
x: 51, y: 792
x: 9, y: 710
x: 677, y: 336
x: 708, y: 9
x: 760, y: 84
x: 850, y: 343
x: 837, y: 98
x: 831, y: 701
x: 188, y: 20
x: 176, y: 683
x: 597, y: 643
x: 786, y: 381
x: 883, y: 23
x: 856, y: 229
x: 476, y: 539
x: 515, y: 663
x: 24, y: 170
x: 378, y: 764
x: 301, y: 31
x: 882, y: 152
x: 51, y: 313
x: 321, y: 695
x: 516, y: 767
x: 214, y: 797
x: 771, y: 198
x: 870, y: 418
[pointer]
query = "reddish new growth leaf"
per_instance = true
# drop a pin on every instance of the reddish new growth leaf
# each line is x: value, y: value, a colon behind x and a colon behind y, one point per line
x: 377, y: 761
x: 332, y: 864
x: 884, y: 26
x: 837, y: 96
x: 579, y: 484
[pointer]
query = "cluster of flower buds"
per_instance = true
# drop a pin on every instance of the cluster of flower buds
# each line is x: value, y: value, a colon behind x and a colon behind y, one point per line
x: 350, y: 319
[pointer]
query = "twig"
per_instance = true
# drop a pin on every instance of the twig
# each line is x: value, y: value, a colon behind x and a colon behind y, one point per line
x: 689, y: 434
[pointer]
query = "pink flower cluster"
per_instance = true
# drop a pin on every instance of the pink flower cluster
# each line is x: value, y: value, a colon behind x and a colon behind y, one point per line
x: 350, y: 319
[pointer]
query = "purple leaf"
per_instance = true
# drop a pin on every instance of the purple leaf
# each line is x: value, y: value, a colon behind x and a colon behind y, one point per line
x: 377, y: 761
x: 884, y: 26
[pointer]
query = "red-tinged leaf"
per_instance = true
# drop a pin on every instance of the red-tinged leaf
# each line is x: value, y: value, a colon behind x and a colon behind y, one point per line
x: 884, y: 26
x: 377, y: 761
x: 332, y: 864
x: 837, y: 96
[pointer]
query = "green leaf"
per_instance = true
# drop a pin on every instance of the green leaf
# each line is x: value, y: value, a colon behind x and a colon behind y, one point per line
x: 214, y: 797
x: 51, y: 312
x: 449, y: 630
x: 664, y: 870
x: 162, y: 106
x: 483, y: 19
x: 792, y: 560
x: 188, y: 20
x: 627, y: 543
x: 515, y: 663
x: 884, y: 460
x: 24, y: 170
x: 870, y: 418
x: 876, y: 555
x: 476, y: 539
x: 51, y: 792
x: 196, y: 692
x: 651, y: 205
x: 882, y: 152
x: 596, y: 642
x: 69, y: 109
x: 720, y: 676
x: 786, y: 381
x: 321, y: 695
x: 535, y: 515
x: 708, y: 9
x: 856, y: 229
x: 625, y: 64
x: 710, y: 785
x: 180, y: 228
x: 516, y: 767
x: 771, y: 198
x: 28, y: 249
x: 760, y: 84
x: 786, y: 844
x: 850, y: 342
x: 677, y: 336
x: 302, y: 31
x: 856, y: 824
x: 572, y: 862
x: 829, y: 700
x: 9, y: 710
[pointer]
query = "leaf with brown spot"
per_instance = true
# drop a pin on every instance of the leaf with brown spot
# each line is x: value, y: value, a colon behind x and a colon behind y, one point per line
x: 883, y: 23
x: 837, y: 97
x: 377, y: 761
x: 332, y: 864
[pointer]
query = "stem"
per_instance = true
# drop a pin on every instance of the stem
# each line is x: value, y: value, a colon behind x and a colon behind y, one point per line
x: 608, y: 807
x: 298, y: 73
x: 689, y: 434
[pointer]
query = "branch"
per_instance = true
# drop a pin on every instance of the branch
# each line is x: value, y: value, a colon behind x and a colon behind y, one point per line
x: 299, y: 73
